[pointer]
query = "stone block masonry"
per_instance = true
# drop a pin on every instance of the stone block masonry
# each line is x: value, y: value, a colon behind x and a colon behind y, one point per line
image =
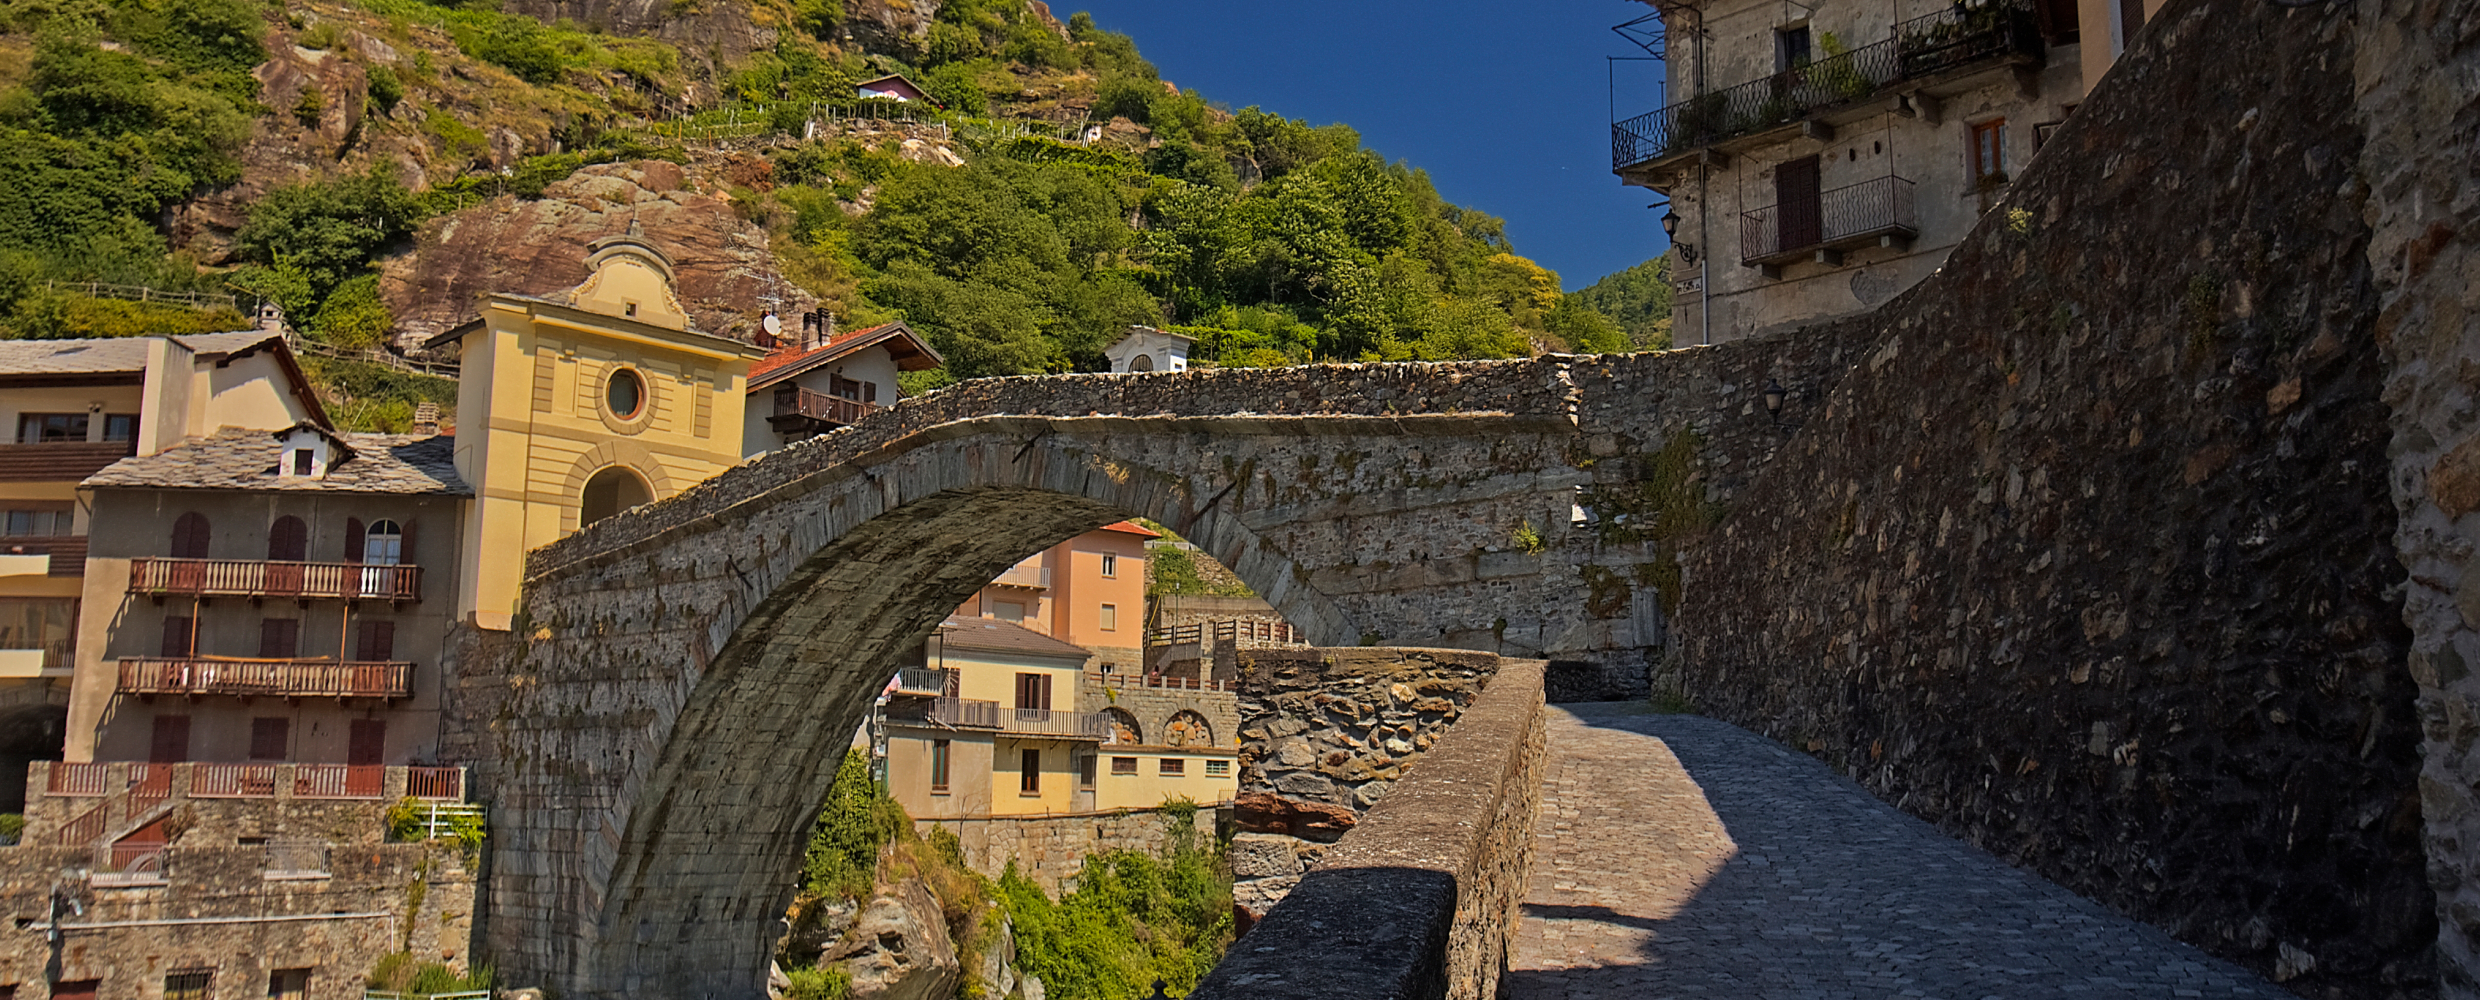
x: 1420, y: 899
x: 2091, y: 560
x: 1051, y: 850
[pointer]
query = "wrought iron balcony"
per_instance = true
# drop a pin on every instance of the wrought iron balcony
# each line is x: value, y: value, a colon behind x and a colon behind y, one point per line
x: 948, y: 713
x: 1845, y: 218
x: 803, y: 411
x: 1919, y: 48
x: 1057, y: 725
x: 931, y: 681
x: 267, y: 678
x: 246, y: 578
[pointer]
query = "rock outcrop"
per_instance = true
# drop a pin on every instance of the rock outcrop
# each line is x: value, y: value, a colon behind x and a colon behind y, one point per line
x: 539, y: 247
x: 899, y: 948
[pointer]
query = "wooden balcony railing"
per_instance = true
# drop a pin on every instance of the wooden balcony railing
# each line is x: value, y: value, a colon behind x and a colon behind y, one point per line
x: 1046, y: 722
x: 435, y: 783
x: 338, y: 781
x: 78, y: 780
x: 271, y: 678
x: 232, y: 781
x: 246, y: 578
x: 65, y: 461
x: 799, y: 408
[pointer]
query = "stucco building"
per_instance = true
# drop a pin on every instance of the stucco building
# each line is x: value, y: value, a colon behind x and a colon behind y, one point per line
x: 1088, y: 591
x: 1818, y: 160
x: 74, y: 407
x: 819, y: 380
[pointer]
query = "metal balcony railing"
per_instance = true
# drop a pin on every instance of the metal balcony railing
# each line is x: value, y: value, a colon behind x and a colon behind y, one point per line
x: 1845, y: 217
x: 271, y: 678
x: 926, y: 681
x: 954, y: 713
x: 338, y: 781
x: 1046, y: 722
x: 1028, y: 577
x: 1919, y: 47
x: 246, y: 578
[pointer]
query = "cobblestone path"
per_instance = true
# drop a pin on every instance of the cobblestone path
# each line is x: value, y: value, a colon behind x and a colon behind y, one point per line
x: 1677, y: 856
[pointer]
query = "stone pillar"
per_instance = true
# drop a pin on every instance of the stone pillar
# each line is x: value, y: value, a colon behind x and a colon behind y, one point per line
x: 2415, y: 70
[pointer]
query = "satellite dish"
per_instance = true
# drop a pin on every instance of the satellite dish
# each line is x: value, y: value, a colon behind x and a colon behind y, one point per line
x: 772, y: 326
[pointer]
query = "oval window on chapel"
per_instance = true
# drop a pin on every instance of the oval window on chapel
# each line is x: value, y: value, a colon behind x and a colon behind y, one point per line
x: 625, y: 393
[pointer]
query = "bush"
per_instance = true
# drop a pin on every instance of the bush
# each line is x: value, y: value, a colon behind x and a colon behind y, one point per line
x: 517, y: 44
x: 400, y: 972
x: 857, y: 820
x: 386, y: 88
x: 12, y: 826
x: 830, y: 983
x: 1132, y: 919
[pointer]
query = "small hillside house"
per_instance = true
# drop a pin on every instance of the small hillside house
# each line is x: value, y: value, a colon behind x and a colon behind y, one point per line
x: 1146, y: 349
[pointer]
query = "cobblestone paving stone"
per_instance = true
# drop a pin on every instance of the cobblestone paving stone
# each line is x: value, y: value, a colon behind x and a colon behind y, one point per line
x: 1678, y: 856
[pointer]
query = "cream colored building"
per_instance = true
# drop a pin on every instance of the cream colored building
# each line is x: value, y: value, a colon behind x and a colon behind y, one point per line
x: 818, y: 380
x: 1820, y: 159
x: 576, y: 407
x: 72, y: 408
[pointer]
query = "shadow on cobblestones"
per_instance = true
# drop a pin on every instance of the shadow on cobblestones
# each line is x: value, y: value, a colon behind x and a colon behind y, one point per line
x: 1679, y: 856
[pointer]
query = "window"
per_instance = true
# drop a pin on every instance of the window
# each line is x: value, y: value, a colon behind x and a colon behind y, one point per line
x: 288, y: 984
x: 180, y: 637
x: 171, y: 740
x: 303, y: 458
x: 1085, y: 770
x: 279, y: 638
x: 1007, y: 611
x: 1030, y: 782
x: 384, y: 544
x: 378, y: 643
x: 191, y: 536
x: 121, y: 427
x: 1110, y: 564
x: 288, y: 540
x: 1791, y: 47
x: 1110, y: 618
x: 938, y: 765
x: 41, y: 522
x: 1123, y: 765
x: 189, y: 984
x: 45, y: 623
x: 366, y: 743
x: 1033, y: 691
x: 1218, y: 769
x: 1989, y: 151
x: 1173, y: 767
x: 50, y: 428
x: 270, y: 738
x: 624, y: 391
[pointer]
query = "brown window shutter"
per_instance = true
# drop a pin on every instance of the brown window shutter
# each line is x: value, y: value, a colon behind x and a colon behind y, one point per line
x: 288, y: 540
x: 177, y: 635
x: 279, y: 638
x: 353, y: 539
x: 1044, y: 680
x: 191, y: 536
x: 270, y: 738
x: 378, y: 642
x: 366, y: 743
x: 171, y: 740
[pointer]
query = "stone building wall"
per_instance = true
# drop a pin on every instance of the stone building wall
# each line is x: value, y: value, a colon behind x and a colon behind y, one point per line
x: 1051, y: 850
x: 2089, y: 560
x: 2415, y: 70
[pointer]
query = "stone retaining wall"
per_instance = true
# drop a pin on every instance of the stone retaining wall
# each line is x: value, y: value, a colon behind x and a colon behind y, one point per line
x: 1420, y: 899
x: 1051, y: 850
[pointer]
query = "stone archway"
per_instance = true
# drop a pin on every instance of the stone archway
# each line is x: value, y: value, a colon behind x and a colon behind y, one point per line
x: 1125, y: 730
x: 1188, y: 729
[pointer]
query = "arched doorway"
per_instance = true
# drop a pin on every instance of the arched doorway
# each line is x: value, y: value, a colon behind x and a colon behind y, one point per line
x: 614, y: 489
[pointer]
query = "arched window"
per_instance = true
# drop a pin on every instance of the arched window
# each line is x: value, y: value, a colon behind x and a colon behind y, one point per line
x: 1188, y: 729
x: 190, y: 536
x: 384, y: 543
x: 288, y: 540
x: 1141, y: 363
x: 609, y: 492
x: 1124, y: 728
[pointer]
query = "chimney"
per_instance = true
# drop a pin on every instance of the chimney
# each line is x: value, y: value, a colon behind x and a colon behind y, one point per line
x: 817, y: 327
x: 426, y: 418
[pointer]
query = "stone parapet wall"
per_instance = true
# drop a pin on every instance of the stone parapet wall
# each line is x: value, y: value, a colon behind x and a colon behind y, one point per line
x: 1051, y: 850
x: 1420, y: 899
x: 238, y: 912
x: 2090, y: 559
x: 1153, y: 707
x: 1339, y: 726
x: 275, y: 809
x: 2416, y: 69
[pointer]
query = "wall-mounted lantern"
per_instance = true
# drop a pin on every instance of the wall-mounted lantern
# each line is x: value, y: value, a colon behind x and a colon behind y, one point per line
x: 1670, y: 228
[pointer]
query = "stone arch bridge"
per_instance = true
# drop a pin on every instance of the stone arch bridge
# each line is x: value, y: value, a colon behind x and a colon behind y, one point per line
x: 656, y: 732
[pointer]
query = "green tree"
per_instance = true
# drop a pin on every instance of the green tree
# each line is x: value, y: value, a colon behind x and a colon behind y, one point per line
x: 1638, y: 300
x: 306, y: 240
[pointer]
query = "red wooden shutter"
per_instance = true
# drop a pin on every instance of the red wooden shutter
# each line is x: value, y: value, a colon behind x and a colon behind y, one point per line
x: 191, y: 536
x: 378, y: 642
x: 171, y: 740
x: 279, y: 638
x: 366, y: 743
x: 270, y: 738
x: 353, y: 539
x: 177, y: 637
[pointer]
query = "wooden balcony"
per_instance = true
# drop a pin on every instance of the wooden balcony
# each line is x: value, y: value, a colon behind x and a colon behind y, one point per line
x: 802, y: 411
x: 157, y: 577
x: 65, y: 461
x: 266, y: 678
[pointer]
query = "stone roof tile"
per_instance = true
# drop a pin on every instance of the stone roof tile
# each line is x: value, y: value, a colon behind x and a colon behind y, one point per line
x: 239, y: 459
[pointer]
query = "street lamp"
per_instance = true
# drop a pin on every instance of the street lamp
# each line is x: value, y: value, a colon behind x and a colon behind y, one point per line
x: 1774, y: 394
x: 1670, y: 228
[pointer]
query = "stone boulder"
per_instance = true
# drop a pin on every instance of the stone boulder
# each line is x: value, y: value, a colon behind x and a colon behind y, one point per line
x: 539, y: 247
x: 1261, y: 812
x: 898, y: 949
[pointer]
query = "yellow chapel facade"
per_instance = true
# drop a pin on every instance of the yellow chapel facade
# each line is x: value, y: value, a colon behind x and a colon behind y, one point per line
x: 578, y: 406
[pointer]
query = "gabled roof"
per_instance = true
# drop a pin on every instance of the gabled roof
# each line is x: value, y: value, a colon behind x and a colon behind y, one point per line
x: 1132, y: 528
x: 912, y: 354
x: 37, y: 360
x: 238, y: 459
x: 73, y: 357
x: 878, y: 84
x: 990, y: 635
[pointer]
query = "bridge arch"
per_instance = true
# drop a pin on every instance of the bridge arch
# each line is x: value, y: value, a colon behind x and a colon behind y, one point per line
x: 655, y: 734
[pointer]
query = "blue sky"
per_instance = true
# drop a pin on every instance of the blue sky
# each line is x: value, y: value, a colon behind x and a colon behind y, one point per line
x: 1506, y: 105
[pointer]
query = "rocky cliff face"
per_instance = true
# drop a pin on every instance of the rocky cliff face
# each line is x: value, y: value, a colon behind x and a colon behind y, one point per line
x: 539, y: 247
